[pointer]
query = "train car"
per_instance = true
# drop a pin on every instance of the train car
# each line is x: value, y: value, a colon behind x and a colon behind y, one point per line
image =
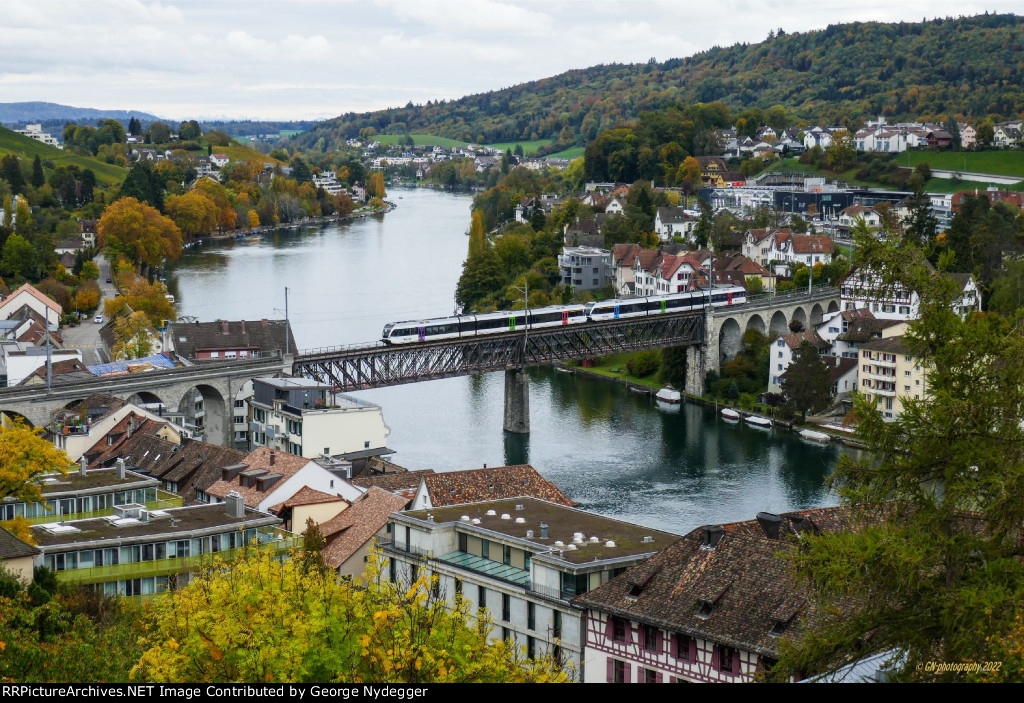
x: 460, y: 326
x: 665, y: 304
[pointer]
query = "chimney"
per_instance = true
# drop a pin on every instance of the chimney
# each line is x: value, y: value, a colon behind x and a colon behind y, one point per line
x: 224, y: 327
x: 243, y: 326
x: 272, y: 457
x: 82, y: 463
x: 121, y: 473
x: 543, y: 530
x: 235, y: 504
x: 770, y: 523
x: 131, y: 426
x: 712, y: 535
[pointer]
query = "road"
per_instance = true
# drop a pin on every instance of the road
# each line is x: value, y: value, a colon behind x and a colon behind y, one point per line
x: 86, y: 336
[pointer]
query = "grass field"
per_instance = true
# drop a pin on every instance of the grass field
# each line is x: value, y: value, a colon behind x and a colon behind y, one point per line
x: 528, y: 147
x: 570, y: 153
x: 240, y: 152
x: 1005, y: 162
x: 418, y: 139
x: 13, y: 143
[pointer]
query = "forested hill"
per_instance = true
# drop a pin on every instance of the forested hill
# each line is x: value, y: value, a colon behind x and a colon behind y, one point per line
x: 845, y: 73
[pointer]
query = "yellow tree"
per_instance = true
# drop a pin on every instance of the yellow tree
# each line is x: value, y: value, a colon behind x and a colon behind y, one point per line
x: 477, y: 235
x: 375, y: 187
x: 142, y: 296
x: 195, y: 213
x: 138, y: 233
x: 132, y: 339
x: 254, y: 219
x: 24, y: 456
x: 265, y: 621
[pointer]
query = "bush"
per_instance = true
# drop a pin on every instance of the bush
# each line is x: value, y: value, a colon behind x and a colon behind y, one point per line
x: 644, y: 363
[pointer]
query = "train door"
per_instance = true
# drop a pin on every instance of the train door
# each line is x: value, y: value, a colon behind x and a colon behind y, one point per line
x: 664, y: 306
x: 728, y: 298
x: 616, y: 309
x: 422, y: 332
x: 565, y: 317
x: 511, y: 323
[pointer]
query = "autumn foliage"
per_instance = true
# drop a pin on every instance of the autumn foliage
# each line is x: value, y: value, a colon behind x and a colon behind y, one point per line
x: 264, y: 621
x: 138, y: 233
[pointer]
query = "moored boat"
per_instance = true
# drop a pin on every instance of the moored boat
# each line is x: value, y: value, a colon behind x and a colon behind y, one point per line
x: 815, y: 436
x: 758, y: 421
x: 730, y: 414
x: 668, y: 394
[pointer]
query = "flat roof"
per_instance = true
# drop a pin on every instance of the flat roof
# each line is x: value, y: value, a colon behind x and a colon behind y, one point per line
x: 563, y: 524
x: 74, y: 482
x: 186, y: 521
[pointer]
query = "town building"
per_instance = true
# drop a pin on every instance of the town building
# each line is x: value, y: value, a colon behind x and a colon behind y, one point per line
x: 310, y: 419
x: 445, y: 488
x: 670, y: 222
x: 351, y: 534
x: 35, y: 131
x: 890, y: 374
x: 228, y: 339
x: 585, y: 268
x: 17, y: 557
x: 522, y: 560
x: 890, y: 301
x: 140, y: 552
x: 42, y: 307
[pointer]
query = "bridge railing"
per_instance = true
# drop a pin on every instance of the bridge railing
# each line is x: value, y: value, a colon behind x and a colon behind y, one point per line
x: 316, y: 351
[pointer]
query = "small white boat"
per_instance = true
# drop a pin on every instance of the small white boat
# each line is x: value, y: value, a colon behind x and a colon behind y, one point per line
x: 758, y: 421
x: 815, y: 436
x: 669, y: 394
x: 730, y: 414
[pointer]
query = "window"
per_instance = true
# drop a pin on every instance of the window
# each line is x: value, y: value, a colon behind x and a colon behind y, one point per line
x: 618, y: 671
x: 650, y: 676
x: 458, y: 588
x: 683, y: 643
x: 726, y: 659
x: 485, y: 549
x: 531, y: 647
x: 366, y: 445
x: 463, y: 542
x: 239, y: 403
x: 618, y: 629
x: 650, y: 638
x: 506, y: 551
x: 481, y: 600
x: 531, y: 616
x: 556, y: 623
x: 506, y: 633
x: 506, y: 607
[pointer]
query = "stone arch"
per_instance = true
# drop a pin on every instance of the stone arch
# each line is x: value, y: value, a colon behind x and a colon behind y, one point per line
x: 756, y: 322
x: 817, y: 315
x: 730, y: 339
x: 801, y: 315
x: 833, y: 306
x: 779, y: 324
x: 205, y: 411
x: 9, y: 417
x: 148, y: 400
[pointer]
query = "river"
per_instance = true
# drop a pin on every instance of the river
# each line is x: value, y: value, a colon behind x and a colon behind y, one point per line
x: 615, y: 452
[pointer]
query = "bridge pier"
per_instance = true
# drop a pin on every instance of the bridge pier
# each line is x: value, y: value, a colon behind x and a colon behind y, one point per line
x: 695, y: 370
x: 517, y: 401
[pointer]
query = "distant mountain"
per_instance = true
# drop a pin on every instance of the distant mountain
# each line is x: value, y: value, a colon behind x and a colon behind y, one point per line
x: 969, y: 66
x: 33, y: 112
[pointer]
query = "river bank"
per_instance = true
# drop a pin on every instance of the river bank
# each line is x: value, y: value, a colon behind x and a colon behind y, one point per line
x: 305, y: 222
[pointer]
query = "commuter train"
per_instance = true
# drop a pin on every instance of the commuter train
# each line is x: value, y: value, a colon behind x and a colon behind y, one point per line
x: 460, y: 326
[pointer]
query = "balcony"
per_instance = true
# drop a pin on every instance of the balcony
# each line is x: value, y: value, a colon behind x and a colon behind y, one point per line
x: 165, y: 567
x: 164, y: 500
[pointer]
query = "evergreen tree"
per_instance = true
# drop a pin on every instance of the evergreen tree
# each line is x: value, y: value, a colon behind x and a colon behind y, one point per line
x: 807, y: 383
x: 10, y: 171
x: 702, y: 232
x: 922, y: 225
x: 143, y: 184
x: 953, y: 127
x: 38, y: 179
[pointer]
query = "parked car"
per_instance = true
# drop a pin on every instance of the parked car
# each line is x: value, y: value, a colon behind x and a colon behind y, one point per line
x: 98, y: 319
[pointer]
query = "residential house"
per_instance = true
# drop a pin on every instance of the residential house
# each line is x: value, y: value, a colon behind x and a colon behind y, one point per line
x: 224, y: 339
x: 712, y: 607
x: 890, y: 374
x: 992, y: 194
x: 309, y: 504
x: 16, y: 557
x: 849, y: 217
x: 28, y: 297
x: 1005, y: 136
x: 739, y: 270
x: 624, y: 258
x: 310, y: 419
x: 19, y: 360
x: 266, y: 477
x: 403, y: 483
x: 584, y: 233
x: 672, y: 222
x: 352, y: 533
x: 968, y: 136
x: 668, y: 274
x: 847, y: 329
x: 782, y: 351
x: 866, y: 289
x: 712, y: 170
x: 522, y: 560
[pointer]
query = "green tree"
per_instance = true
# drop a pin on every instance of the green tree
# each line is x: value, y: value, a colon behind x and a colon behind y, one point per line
x: 921, y: 225
x: 477, y: 235
x: 702, y: 232
x: 160, y: 133
x: 807, y: 383
x: 10, y: 171
x: 144, y: 184
x: 936, y: 575
x: 840, y: 152
x: 38, y: 178
x: 189, y: 130
x: 19, y: 259
x: 265, y: 621
x: 1008, y: 288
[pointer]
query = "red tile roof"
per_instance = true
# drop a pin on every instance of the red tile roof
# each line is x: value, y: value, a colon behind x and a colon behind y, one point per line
x: 356, y: 525
x: 273, y: 462
x: 499, y: 482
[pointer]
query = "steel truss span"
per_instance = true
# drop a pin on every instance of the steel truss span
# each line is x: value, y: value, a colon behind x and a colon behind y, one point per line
x: 375, y: 367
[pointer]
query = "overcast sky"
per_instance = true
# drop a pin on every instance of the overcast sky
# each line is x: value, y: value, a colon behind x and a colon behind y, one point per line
x: 312, y: 59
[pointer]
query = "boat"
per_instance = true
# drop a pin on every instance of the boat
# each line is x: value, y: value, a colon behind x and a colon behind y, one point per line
x: 815, y: 436
x: 669, y: 394
x: 563, y: 369
x: 758, y: 421
x: 730, y: 414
